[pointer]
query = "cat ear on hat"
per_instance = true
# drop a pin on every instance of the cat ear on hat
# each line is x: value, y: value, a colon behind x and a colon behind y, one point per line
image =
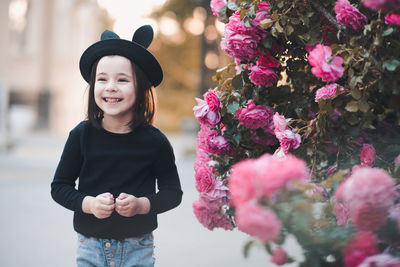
x: 108, y: 35
x: 143, y: 36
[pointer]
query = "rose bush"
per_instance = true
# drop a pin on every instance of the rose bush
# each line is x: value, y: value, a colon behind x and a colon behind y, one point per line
x: 302, y: 132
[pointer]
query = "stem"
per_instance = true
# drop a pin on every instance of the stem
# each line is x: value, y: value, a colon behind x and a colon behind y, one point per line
x: 327, y: 15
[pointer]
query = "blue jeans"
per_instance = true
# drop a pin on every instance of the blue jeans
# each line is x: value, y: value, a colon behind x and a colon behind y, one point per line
x: 129, y: 252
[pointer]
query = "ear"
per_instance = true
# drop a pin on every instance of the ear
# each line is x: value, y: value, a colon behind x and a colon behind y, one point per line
x: 108, y: 35
x: 143, y: 36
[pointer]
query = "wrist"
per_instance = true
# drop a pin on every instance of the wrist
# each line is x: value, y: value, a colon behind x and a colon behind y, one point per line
x: 144, y: 205
x: 87, y: 204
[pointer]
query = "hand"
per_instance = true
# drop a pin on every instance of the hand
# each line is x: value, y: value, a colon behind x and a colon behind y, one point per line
x: 128, y: 205
x: 100, y: 206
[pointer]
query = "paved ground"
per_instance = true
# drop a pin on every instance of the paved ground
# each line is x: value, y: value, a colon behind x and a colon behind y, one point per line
x: 35, y: 231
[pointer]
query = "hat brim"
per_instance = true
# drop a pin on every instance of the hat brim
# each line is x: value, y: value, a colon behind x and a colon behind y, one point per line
x: 133, y: 51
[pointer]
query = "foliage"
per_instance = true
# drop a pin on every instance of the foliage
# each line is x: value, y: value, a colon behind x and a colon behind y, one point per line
x: 334, y: 130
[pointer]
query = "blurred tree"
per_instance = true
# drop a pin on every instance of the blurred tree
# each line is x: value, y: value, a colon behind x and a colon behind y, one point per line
x: 182, y: 48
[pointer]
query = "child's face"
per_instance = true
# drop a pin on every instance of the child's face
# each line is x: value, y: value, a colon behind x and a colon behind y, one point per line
x: 114, y: 90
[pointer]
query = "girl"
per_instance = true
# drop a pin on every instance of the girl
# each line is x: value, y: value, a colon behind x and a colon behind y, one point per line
x: 118, y: 156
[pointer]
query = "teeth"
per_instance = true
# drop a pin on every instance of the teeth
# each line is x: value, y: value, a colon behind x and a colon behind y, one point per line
x: 112, y: 100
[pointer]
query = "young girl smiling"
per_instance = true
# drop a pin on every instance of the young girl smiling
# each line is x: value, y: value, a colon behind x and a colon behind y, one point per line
x: 118, y: 156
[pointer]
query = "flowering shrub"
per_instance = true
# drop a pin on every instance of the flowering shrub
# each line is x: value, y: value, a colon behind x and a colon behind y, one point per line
x: 301, y: 135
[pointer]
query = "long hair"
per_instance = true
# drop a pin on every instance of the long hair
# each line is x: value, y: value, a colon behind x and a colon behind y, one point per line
x: 143, y: 109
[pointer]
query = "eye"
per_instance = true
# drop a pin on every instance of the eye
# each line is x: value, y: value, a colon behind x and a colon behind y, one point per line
x: 123, y: 80
x: 101, y: 79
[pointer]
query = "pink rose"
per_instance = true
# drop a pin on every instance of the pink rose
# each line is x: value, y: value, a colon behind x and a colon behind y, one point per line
x: 369, y: 217
x: 349, y: 16
x: 211, y: 142
x: 254, y: 178
x: 218, y: 144
x: 392, y: 18
x: 367, y: 157
x: 240, y: 42
x: 323, y: 66
x: 212, y: 100
x: 279, y: 122
x: 328, y: 91
x: 341, y: 213
x: 263, y: 76
x: 211, y: 216
x: 385, y: 5
x: 279, y: 256
x: 288, y: 140
x: 259, y: 222
x: 261, y: 13
x: 253, y: 117
x: 360, y: 247
x: 369, y: 193
x: 218, y: 195
x: 381, y: 260
x: 216, y: 6
x: 204, y: 179
x: 205, y: 115
x: 268, y: 61
x: 241, y: 183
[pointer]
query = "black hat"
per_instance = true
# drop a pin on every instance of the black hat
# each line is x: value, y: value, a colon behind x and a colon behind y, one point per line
x: 111, y: 44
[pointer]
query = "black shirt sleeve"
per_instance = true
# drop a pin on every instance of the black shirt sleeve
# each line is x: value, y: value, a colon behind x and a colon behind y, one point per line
x: 63, y: 186
x: 169, y: 193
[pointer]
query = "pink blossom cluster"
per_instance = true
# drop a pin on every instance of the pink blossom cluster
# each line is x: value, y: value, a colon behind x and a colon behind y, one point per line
x: 368, y: 155
x: 368, y: 193
x: 392, y: 18
x: 253, y: 117
x: 323, y: 66
x: 211, y: 215
x: 216, y: 6
x: 207, y: 110
x: 287, y: 139
x: 262, y: 73
x: 279, y: 256
x: 241, y: 42
x: 211, y: 142
x: 363, y: 245
x: 349, y: 16
x: 254, y: 179
x: 329, y: 91
x: 384, y: 5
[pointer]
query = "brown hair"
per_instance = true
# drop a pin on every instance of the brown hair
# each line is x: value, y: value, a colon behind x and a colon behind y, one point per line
x: 143, y: 109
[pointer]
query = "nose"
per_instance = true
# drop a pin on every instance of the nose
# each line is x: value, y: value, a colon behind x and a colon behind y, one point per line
x: 111, y: 86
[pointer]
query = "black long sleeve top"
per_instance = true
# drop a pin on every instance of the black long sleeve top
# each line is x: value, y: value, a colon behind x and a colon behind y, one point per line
x: 108, y: 162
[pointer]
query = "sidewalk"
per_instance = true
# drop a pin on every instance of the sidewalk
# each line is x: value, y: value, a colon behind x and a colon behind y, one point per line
x: 38, y: 232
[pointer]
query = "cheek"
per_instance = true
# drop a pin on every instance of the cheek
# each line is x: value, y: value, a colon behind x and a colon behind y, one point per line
x: 97, y: 95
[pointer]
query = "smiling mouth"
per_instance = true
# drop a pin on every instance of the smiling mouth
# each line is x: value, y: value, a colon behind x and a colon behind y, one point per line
x: 112, y: 99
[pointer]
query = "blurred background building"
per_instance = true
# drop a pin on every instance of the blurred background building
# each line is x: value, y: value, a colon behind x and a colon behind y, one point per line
x: 42, y: 40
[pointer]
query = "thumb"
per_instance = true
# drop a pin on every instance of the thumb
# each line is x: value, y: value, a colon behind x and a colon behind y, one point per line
x: 107, y: 195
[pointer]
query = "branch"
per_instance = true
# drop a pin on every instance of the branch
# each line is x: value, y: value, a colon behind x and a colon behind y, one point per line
x: 327, y: 15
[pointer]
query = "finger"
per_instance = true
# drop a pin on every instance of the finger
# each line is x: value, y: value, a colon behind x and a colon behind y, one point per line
x: 107, y: 195
x: 106, y: 201
x: 107, y: 207
x: 122, y: 196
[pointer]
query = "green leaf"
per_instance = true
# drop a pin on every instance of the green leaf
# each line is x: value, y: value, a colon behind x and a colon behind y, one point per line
x: 222, y: 15
x: 391, y: 65
x: 352, y: 106
x: 266, y: 23
x: 363, y: 105
x: 233, y: 107
x: 289, y: 30
x: 232, y: 6
x: 387, y: 32
x: 247, y: 22
x: 355, y: 93
x: 237, y: 82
